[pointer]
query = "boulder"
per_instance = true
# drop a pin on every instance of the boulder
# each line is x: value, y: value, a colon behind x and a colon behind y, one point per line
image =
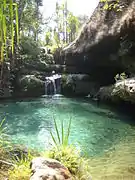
x: 122, y: 90
x: 48, y: 169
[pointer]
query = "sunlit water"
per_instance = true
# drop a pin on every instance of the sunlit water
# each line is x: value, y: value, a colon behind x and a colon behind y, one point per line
x: 94, y: 129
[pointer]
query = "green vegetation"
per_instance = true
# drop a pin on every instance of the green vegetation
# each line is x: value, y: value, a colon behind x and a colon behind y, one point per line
x: 62, y: 141
x: 21, y: 169
x: 8, y: 15
x: 66, y: 26
x: 67, y: 154
x: 70, y: 157
x: 109, y: 5
x: 121, y: 76
x: 117, y: 163
x: 63, y: 152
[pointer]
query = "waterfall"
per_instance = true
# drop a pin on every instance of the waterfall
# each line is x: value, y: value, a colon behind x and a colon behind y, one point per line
x: 52, y: 80
x: 46, y: 86
x: 54, y: 85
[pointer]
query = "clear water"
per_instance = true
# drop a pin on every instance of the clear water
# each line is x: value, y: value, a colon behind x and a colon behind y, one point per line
x: 94, y: 128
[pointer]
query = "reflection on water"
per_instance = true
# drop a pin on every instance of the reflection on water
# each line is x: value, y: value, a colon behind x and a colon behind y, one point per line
x: 94, y: 129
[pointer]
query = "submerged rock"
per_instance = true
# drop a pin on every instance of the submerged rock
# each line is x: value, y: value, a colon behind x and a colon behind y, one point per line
x: 48, y: 169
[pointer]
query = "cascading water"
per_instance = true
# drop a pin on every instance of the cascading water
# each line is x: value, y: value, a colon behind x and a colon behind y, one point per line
x: 52, y: 81
x: 46, y: 86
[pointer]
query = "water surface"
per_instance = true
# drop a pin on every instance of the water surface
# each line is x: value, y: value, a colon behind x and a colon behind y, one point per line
x: 94, y: 128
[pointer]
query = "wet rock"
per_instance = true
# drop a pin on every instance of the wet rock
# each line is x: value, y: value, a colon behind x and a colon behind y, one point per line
x: 122, y: 90
x: 48, y: 169
x: 78, y: 84
x: 30, y: 85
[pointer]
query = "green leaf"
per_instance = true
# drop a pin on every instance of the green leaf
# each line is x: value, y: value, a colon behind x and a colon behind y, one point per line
x: 53, y: 138
x: 57, y: 132
x: 106, y: 6
x: 68, y: 133
x: 62, y: 129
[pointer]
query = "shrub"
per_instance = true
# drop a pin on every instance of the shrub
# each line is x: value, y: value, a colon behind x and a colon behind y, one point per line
x: 29, y: 46
x: 67, y: 154
x: 21, y: 170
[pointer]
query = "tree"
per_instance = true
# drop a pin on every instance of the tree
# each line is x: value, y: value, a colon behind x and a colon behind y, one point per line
x: 30, y: 18
x: 30, y: 21
x: 66, y: 25
x: 38, y: 18
x: 72, y: 26
x: 8, y: 15
x: 48, y: 39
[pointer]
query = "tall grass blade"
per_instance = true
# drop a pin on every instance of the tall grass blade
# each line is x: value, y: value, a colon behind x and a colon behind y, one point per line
x: 63, y: 137
x: 62, y: 131
x: 12, y: 25
x: 57, y: 132
x: 2, y: 122
x: 54, y: 140
x: 68, y: 133
x: 17, y: 22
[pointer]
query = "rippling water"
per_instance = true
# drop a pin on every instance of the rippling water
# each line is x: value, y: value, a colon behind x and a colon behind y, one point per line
x: 94, y: 129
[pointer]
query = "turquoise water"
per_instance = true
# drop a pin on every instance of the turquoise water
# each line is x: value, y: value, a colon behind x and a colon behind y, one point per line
x: 94, y: 129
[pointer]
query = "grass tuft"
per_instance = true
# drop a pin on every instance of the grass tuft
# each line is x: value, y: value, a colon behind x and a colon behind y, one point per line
x: 67, y: 154
x: 70, y: 158
x: 21, y: 171
x: 61, y: 139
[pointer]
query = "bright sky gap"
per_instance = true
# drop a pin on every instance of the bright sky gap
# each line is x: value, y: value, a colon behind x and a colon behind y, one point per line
x: 85, y: 7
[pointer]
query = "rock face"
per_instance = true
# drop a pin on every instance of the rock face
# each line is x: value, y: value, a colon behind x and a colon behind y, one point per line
x: 106, y: 44
x: 78, y: 84
x: 30, y: 85
x: 121, y: 91
x: 48, y: 169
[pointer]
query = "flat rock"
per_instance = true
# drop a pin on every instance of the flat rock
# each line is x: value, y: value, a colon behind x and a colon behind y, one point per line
x: 48, y: 169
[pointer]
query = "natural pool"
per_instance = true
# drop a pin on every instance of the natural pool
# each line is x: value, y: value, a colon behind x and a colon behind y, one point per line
x: 94, y: 129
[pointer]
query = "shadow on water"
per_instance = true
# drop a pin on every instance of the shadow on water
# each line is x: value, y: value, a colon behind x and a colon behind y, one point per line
x: 123, y: 111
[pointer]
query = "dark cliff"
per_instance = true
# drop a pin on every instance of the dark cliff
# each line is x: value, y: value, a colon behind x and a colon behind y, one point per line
x: 105, y: 46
